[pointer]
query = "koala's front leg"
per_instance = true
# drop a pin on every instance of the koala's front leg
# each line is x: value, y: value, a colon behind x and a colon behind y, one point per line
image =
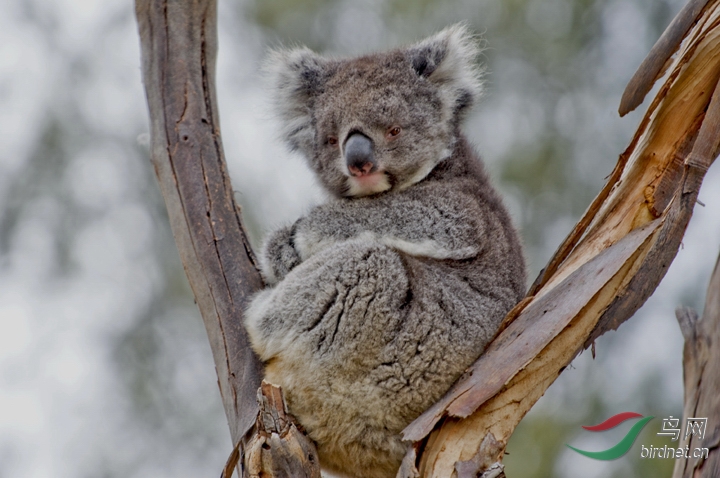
x: 429, y: 222
x: 279, y: 255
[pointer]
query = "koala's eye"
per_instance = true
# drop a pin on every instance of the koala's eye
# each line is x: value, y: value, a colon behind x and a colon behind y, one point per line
x: 332, y: 141
x: 393, y: 132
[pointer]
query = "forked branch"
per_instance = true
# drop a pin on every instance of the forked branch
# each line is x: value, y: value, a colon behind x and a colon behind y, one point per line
x: 606, y: 268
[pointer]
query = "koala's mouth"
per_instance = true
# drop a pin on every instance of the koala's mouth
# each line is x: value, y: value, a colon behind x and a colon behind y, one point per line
x: 368, y: 184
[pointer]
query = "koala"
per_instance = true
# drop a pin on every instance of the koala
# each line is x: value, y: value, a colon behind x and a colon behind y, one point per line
x: 378, y: 300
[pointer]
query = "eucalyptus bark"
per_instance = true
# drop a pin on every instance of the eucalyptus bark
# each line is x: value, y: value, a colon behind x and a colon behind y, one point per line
x: 702, y: 383
x: 179, y: 46
x: 179, y: 49
x: 607, y: 267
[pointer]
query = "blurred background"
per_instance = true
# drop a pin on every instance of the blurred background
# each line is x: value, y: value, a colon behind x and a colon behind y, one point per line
x: 105, y: 370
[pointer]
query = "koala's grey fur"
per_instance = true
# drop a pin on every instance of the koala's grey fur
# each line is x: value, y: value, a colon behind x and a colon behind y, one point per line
x: 381, y: 298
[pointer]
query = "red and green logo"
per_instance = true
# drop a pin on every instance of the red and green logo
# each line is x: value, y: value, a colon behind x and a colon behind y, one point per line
x: 624, y: 445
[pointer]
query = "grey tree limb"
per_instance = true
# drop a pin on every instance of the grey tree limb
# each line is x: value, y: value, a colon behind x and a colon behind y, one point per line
x: 179, y: 45
x: 179, y: 48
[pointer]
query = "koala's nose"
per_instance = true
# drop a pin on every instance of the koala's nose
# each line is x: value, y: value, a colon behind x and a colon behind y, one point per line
x: 359, y: 155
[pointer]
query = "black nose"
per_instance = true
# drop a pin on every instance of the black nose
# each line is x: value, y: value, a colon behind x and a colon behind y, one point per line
x: 359, y: 155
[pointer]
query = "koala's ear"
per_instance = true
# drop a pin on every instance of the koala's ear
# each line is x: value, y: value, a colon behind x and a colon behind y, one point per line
x: 296, y: 77
x: 449, y: 60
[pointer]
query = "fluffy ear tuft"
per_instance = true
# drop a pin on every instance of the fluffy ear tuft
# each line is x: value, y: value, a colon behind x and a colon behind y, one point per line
x: 449, y: 60
x: 296, y: 77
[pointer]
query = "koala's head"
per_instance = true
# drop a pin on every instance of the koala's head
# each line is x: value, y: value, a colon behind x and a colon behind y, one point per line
x: 377, y: 122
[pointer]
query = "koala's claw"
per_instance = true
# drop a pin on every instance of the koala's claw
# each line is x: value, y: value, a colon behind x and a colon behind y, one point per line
x: 279, y: 255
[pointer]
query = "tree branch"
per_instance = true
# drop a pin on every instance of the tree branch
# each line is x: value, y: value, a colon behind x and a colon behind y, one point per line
x: 179, y: 45
x: 179, y: 48
x: 607, y: 267
x: 653, y: 66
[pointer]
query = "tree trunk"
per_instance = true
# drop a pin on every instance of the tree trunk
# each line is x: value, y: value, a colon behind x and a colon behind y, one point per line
x: 179, y: 48
x: 179, y: 45
x: 701, y: 358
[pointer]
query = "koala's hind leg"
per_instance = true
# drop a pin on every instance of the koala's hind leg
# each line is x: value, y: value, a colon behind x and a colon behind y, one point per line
x: 323, y: 330
x: 347, y: 293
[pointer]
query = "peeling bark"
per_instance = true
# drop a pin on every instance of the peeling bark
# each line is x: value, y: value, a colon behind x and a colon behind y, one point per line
x: 278, y: 447
x: 653, y: 66
x: 610, y: 263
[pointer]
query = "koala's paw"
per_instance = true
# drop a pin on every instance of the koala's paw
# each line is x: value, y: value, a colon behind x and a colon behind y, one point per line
x: 279, y: 255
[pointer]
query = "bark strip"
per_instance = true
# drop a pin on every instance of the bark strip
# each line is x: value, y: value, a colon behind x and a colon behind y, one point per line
x: 652, y: 67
